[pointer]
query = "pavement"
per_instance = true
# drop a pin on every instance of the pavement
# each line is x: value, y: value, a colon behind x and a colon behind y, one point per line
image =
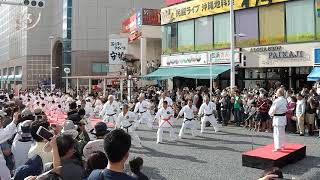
x: 216, y: 156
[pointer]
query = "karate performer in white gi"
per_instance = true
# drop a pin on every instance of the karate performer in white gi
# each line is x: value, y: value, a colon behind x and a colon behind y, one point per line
x: 125, y: 121
x: 110, y: 110
x: 188, y: 111
x: 88, y: 108
x: 143, y: 109
x: 207, y: 110
x: 165, y: 117
x: 164, y: 98
x: 278, y: 112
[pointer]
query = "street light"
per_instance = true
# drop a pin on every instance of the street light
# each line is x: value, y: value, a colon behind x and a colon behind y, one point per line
x: 232, y: 36
x: 51, y: 38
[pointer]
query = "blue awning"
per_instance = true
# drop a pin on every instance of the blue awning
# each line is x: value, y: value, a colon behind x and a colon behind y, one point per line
x: 314, y: 75
x: 195, y: 72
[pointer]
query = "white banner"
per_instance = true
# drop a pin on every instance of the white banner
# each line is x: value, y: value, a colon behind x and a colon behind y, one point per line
x: 117, y: 48
x: 223, y: 56
x: 185, y: 60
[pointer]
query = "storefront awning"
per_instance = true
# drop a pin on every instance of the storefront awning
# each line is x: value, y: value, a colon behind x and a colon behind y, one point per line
x: 10, y: 78
x: 195, y: 72
x: 4, y: 78
x: 314, y: 75
x: 18, y: 77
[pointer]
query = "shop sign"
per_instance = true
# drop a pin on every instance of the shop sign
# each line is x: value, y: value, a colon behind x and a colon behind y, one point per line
x: 172, y: 2
x: 318, y: 7
x: 278, y: 52
x: 223, y: 56
x: 195, y: 9
x: 134, y: 35
x: 125, y: 25
x: 317, y: 56
x: 185, y: 60
x: 151, y: 17
x: 117, y: 48
x: 293, y: 55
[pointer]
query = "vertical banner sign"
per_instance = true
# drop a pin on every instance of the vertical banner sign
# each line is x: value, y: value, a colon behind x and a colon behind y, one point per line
x: 117, y: 48
x: 318, y: 7
x: 317, y: 56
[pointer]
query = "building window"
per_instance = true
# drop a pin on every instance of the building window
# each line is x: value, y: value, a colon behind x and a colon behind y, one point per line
x: 221, y: 31
x: 99, y: 68
x: 169, y: 38
x: 18, y: 70
x: 246, y: 23
x: 186, y: 36
x: 204, y: 33
x: 300, y: 21
x: 271, y: 22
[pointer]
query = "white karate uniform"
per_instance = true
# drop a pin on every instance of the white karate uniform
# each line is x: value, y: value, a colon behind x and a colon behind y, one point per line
x: 169, y: 100
x: 126, y: 122
x: 188, y: 121
x: 89, y: 109
x: 110, y: 111
x: 279, y: 123
x: 97, y: 107
x: 165, y: 117
x: 207, y: 111
x: 143, y: 108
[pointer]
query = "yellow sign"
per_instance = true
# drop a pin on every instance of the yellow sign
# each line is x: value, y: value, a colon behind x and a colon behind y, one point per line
x: 199, y: 8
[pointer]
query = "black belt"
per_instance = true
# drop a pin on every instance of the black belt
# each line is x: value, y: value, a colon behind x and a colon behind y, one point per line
x: 127, y: 128
x: 187, y: 119
x: 111, y: 114
x: 208, y: 114
x: 280, y: 114
x: 142, y: 112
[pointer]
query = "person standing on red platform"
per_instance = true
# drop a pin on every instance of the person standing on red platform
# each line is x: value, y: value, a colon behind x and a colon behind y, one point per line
x: 278, y: 112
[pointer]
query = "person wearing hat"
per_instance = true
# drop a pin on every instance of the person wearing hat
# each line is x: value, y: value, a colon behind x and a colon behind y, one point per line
x: 125, y: 121
x: 70, y: 129
x: 100, y: 131
x: 21, y: 146
x: 110, y: 110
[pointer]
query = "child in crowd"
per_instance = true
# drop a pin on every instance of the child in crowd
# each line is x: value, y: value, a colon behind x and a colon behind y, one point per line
x: 135, y: 167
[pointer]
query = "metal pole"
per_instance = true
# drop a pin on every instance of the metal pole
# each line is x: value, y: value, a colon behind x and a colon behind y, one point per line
x: 211, y: 86
x: 90, y: 85
x: 51, y: 79
x: 104, y: 87
x: 77, y: 90
x: 232, y: 63
x: 67, y: 82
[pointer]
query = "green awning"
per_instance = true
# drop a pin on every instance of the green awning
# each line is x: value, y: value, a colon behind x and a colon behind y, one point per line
x: 195, y: 72
x: 18, y: 77
x: 10, y: 78
x: 4, y: 78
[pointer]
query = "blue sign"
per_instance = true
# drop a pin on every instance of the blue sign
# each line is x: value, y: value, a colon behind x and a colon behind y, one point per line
x: 139, y: 18
x: 316, y: 56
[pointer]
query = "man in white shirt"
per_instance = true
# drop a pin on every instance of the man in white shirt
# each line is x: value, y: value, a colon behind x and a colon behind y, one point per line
x: 278, y: 112
x: 207, y: 111
x: 165, y: 116
x: 188, y: 111
x: 5, y: 134
x: 110, y: 110
x: 125, y: 121
x: 164, y: 98
x: 143, y: 109
x: 300, y: 111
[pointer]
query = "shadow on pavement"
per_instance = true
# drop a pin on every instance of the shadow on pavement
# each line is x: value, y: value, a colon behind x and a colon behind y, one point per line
x: 154, y: 153
x: 152, y: 173
x: 248, y: 134
x: 303, y: 166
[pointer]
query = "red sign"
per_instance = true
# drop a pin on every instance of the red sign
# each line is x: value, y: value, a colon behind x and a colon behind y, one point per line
x: 151, y: 17
x: 172, y: 2
x: 125, y: 25
x: 134, y: 35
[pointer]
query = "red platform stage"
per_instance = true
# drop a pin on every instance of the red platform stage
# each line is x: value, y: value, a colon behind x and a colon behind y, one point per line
x: 264, y: 157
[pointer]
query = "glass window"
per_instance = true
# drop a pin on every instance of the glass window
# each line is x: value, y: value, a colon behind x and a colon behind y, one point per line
x: 186, y: 36
x: 99, y: 68
x: 271, y: 22
x: 221, y: 30
x: 69, y: 12
x: 169, y: 41
x: 246, y: 23
x: 5, y: 71
x: 18, y: 70
x: 300, y: 20
x: 204, y: 33
x: 317, y: 19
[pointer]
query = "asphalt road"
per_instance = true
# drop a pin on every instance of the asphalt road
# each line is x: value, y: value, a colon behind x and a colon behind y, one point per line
x: 215, y: 156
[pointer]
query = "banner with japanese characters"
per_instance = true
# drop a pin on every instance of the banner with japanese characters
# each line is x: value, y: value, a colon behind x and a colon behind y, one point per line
x: 200, y: 8
x: 117, y: 48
